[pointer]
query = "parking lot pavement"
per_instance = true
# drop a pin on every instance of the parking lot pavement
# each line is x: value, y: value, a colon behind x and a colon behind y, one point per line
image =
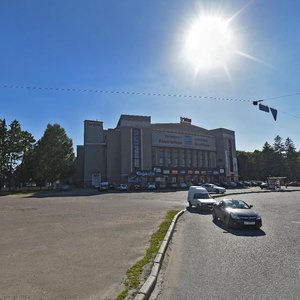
x: 76, y: 247
x: 77, y: 244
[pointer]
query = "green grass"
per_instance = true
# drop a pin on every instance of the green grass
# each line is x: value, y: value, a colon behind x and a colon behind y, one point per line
x: 133, y: 275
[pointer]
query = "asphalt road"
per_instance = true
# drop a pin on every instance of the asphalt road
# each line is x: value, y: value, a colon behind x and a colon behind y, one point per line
x: 77, y: 244
x: 207, y: 261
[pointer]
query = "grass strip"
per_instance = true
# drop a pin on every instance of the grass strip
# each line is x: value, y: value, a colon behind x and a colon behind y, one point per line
x: 133, y: 274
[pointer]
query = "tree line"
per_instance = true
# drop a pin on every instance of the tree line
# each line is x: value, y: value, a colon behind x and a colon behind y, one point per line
x: 281, y: 159
x: 24, y: 161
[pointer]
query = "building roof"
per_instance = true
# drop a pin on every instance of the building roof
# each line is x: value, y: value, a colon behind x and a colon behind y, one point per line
x: 181, y: 128
x: 134, y: 118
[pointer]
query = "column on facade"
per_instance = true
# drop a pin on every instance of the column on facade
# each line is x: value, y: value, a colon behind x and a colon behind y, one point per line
x: 213, y: 160
x: 205, y: 159
x: 208, y: 159
x: 188, y: 158
x: 194, y: 158
x: 167, y: 157
x: 161, y: 156
x: 174, y: 157
x: 182, y: 161
x: 200, y: 159
x: 154, y: 156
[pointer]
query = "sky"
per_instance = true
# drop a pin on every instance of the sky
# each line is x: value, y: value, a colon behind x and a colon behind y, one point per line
x: 74, y: 56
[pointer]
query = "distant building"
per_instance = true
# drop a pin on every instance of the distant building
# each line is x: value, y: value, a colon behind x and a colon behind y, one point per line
x: 165, y: 153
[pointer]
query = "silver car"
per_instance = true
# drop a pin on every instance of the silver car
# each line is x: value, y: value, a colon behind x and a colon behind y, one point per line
x: 212, y: 188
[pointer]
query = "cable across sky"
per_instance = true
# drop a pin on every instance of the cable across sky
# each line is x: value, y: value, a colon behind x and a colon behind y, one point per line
x: 153, y: 94
x: 78, y: 90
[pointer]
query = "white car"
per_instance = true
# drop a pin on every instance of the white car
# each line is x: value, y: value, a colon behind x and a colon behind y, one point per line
x: 151, y: 186
x: 212, y: 188
x: 123, y: 187
x: 199, y: 197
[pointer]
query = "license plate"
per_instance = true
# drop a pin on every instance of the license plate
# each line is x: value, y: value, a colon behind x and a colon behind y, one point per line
x: 249, y: 223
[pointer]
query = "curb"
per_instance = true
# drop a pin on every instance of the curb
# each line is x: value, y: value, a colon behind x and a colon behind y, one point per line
x: 147, y: 288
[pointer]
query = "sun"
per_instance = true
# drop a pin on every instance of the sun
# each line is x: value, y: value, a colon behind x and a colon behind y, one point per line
x: 209, y: 43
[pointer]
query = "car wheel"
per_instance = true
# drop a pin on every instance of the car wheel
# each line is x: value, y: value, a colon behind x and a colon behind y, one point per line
x: 217, y: 191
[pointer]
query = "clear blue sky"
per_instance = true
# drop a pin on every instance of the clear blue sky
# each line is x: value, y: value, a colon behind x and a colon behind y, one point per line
x: 137, y: 45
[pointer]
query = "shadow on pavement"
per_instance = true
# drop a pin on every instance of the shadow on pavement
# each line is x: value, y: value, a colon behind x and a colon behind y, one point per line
x: 240, y: 232
x: 194, y: 210
x: 70, y: 193
x: 77, y: 192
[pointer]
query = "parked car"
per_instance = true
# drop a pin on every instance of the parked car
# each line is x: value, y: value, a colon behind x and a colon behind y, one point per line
x: 173, y: 185
x: 293, y: 183
x: 183, y: 185
x: 212, y: 188
x: 64, y: 187
x: 151, y: 186
x: 103, y: 187
x: 123, y: 187
x: 264, y: 185
x: 198, y: 196
x: 247, y: 183
x: 240, y: 184
x: 236, y: 213
x: 135, y: 187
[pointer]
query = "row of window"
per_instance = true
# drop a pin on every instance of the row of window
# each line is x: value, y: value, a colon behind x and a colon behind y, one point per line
x: 174, y: 157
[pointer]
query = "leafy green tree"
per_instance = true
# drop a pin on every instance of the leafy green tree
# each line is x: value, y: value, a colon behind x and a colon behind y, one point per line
x: 17, y: 144
x: 291, y: 160
x: 3, y: 152
x: 54, y: 155
x: 278, y: 164
x: 267, y: 161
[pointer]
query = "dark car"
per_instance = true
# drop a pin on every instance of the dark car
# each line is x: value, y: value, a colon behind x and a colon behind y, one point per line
x: 293, y: 183
x: 236, y: 213
x: 123, y: 187
x: 135, y: 187
x: 264, y: 185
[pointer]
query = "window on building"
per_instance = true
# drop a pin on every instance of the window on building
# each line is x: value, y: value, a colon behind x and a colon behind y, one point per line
x: 188, y: 158
x: 213, y: 160
x: 195, y: 159
x: 160, y: 157
x: 168, y: 157
x: 175, y: 158
x: 136, y: 147
x: 182, y: 158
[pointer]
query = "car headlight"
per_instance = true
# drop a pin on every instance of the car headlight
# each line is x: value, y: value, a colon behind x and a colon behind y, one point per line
x: 258, y: 217
x: 234, y: 216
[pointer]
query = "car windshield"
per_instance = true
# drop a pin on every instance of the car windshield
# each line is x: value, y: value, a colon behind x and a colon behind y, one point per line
x: 236, y: 204
x: 202, y: 196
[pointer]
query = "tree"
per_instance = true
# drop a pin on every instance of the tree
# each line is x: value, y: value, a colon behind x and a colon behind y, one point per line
x: 267, y: 161
x: 17, y: 144
x: 54, y: 155
x: 278, y: 159
x: 3, y: 150
x: 291, y: 160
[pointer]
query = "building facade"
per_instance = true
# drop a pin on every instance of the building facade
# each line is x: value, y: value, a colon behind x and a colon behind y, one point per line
x: 165, y: 153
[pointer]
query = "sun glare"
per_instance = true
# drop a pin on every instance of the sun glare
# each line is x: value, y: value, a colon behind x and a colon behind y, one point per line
x: 209, y: 43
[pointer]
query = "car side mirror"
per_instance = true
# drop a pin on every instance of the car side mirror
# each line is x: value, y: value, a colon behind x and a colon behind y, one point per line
x: 250, y: 206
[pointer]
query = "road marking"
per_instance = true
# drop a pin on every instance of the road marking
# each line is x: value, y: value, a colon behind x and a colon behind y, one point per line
x: 296, y: 222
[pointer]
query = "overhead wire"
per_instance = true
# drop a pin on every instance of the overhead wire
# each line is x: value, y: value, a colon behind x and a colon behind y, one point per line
x: 154, y: 94
x: 278, y: 97
x: 124, y: 93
